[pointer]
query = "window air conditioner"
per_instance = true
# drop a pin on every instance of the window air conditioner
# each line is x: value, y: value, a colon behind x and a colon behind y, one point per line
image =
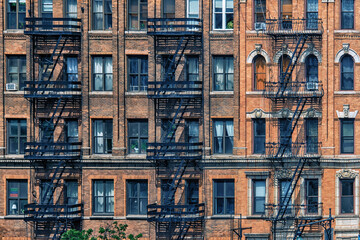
x: 260, y: 26
x: 312, y: 86
x: 11, y: 87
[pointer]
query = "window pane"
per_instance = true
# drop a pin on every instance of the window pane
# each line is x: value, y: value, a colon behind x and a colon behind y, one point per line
x: 259, y: 188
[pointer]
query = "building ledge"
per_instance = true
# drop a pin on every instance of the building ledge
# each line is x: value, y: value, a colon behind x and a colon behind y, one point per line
x: 136, y: 217
x: 101, y: 93
x: 14, y: 217
x: 341, y: 31
x: 260, y: 92
x: 15, y: 93
x: 346, y: 92
x: 136, y: 94
x: 222, y: 217
x: 222, y: 94
x: 101, y: 217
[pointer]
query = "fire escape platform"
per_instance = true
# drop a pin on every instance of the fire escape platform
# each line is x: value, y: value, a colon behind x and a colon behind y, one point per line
x: 293, y: 27
x: 176, y: 213
x: 53, y: 27
x: 182, y: 27
x: 49, y: 212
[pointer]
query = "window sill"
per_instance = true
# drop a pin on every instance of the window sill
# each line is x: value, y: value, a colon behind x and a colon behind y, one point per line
x: 255, y: 92
x: 14, y: 156
x: 222, y: 93
x: 136, y: 217
x: 101, y: 93
x: 102, y: 217
x: 346, y: 31
x: 140, y: 93
x: 136, y: 32
x: 136, y: 155
x: 225, y: 216
x: 346, y: 92
x: 107, y: 31
x: 222, y: 31
x: 255, y: 217
x: 344, y: 215
x: 14, y: 31
x: 14, y: 217
x: 17, y: 92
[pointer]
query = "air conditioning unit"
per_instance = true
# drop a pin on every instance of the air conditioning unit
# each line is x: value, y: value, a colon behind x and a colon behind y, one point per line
x: 11, y: 87
x: 260, y: 26
x: 312, y: 86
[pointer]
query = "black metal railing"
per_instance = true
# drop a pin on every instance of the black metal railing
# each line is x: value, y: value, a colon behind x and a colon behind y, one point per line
x: 293, y: 26
x: 52, y: 89
x: 174, y: 26
x: 174, y: 151
x: 175, y: 213
x: 52, y: 150
x: 169, y: 89
x: 295, y: 211
x: 292, y: 150
x: 49, y: 212
x: 51, y: 26
x: 276, y: 90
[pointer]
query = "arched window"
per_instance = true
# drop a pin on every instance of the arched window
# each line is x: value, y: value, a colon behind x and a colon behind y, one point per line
x: 312, y: 66
x: 259, y: 72
x: 347, y: 73
x: 284, y: 62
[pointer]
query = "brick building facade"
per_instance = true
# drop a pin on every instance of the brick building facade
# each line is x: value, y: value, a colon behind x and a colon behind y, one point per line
x: 239, y: 57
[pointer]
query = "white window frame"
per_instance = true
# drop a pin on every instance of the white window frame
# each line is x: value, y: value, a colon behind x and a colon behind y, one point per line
x: 223, y: 14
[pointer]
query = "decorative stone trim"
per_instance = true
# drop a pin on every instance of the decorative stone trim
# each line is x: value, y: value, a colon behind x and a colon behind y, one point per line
x: 310, y: 50
x: 285, y: 50
x: 346, y: 112
x: 347, y: 174
x: 346, y: 50
x: 283, y: 113
x: 258, y: 51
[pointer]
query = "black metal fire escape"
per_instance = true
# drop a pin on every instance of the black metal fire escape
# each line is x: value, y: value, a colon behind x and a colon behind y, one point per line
x: 292, y: 95
x: 174, y: 98
x: 52, y: 97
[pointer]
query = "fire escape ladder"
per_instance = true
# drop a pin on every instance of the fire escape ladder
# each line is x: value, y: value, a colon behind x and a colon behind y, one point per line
x: 54, y: 183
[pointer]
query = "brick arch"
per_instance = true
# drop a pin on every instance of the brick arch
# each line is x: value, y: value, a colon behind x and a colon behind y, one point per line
x: 280, y: 53
x: 351, y: 52
x: 308, y: 52
x: 256, y: 52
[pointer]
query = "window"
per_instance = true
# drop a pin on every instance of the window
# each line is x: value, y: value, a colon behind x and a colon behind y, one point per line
x: 138, y: 136
x: 46, y: 192
x: 312, y: 66
x: 137, y: 17
x: 70, y: 9
x: 192, y: 68
x: 192, y: 9
x: 312, y: 14
x: 16, y: 71
x: 259, y: 187
x: 137, y: 197
x: 102, y: 136
x: 72, y: 133
x: 286, y: 13
x: 312, y: 195
x: 17, y: 196
x: 312, y: 135
x: 192, y: 131
x: 46, y: 129
x: 102, y: 74
x: 103, y: 196
x: 260, y: 14
x: 347, y: 14
x: 138, y: 73
x: 285, y: 134
x: 102, y: 14
x: 71, y: 192
x: 284, y: 63
x: 168, y: 130
x: 71, y: 70
x: 16, y: 11
x: 259, y: 135
x: 167, y: 197
x: 285, y: 187
x: 259, y: 73
x: 347, y: 73
x: 347, y: 195
x: 347, y: 136
x: 223, y: 136
x: 192, y: 191
x: 224, y: 199
x: 168, y: 8
x: 223, y: 14
x: 16, y: 136
x: 223, y: 73
x: 46, y: 8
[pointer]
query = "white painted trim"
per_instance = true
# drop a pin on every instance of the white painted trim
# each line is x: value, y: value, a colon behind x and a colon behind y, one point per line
x: 351, y: 52
x: 261, y: 52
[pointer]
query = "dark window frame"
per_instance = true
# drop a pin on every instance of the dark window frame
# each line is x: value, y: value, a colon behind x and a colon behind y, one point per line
x: 344, y: 122
x: 19, y: 198
x: 104, y: 14
x: 310, y: 209
x: 19, y: 136
x: 137, y: 198
x: 257, y: 12
x: 169, y: 14
x: 138, y: 138
x: 257, y: 60
x: 225, y: 75
x: 283, y: 198
x: 19, y: 74
x: 347, y: 196
x: 18, y: 15
x: 342, y: 73
x: 188, y: 198
x: 106, y: 136
x: 309, y: 66
x: 192, y: 75
x: 284, y: 59
x: 312, y: 16
x: 141, y: 87
x: 224, y: 197
x: 67, y: 198
x: 345, y: 12
x: 312, y: 139
x: 224, y: 136
x: 255, y: 198
x: 94, y: 197
x: 67, y: 13
x: 261, y: 137
x: 142, y: 24
x: 104, y: 74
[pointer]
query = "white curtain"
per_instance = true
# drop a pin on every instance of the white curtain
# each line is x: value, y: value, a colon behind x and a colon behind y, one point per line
x: 99, y: 133
x: 72, y: 9
x: 72, y: 69
x: 193, y: 10
x: 98, y: 70
x: 108, y: 71
x: 230, y: 131
x: 219, y: 130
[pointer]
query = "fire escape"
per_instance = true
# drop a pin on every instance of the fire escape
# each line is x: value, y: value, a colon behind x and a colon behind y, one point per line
x: 55, y: 99
x: 173, y: 155
x: 292, y: 100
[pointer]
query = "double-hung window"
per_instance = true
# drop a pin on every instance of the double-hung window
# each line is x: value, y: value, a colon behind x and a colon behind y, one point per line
x: 285, y: 134
x: 192, y: 69
x: 312, y: 14
x: 138, y: 136
x: 347, y: 136
x: 285, y: 195
x: 223, y: 68
x: 46, y: 128
x: 102, y: 74
x: 137, y: 14
x: 137, y: 197
x: 71, y: 192
x: 347, y: 72
x: 17, y: 196
x: 286, y: 13
x: 223, y: 17
x: 260, y: 14
x: 192, y: 131
x: 168, y: 8
x: 259, y: 135
x: 347, y: 14
x: 103, y: 197
x: 103, y: 133
x: 138, y: 73
x: 259, y: 192
x: 259, y: 64
x: 46, y: 192
x: 101, y: 14
x: 71, y: 71
x: 16, y: 71
x: 312, y: 135
x: 312, y: 195
x: 167, y: 197
x: 192, y: 191
x: 223, y: 136
x: 224, y: 198
x: 347, y: 195
x: 16, y: 132
x: 16, y: 11
x: 70, y: 9
x: 312, y: 68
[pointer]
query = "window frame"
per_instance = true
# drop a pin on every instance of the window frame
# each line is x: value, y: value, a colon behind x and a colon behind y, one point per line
x: 342, y: 12
x: 225, y: 197
x: 342, y: 122
x: 256, y: 122
x: 68, y: 75
x: 140, y: 137
x: 225, y: 60
x: 256, y: 13
x: 192, y: 75
x: 17, y: 13
x: 188, y: 200
x: 341, y: 195
x: 312, y: 23
x: 104, y: 74
x: 67, y: 13
x: 256, y: 74
x: 74, y: 181
x: 137, y: 182
x: 104, y: 196
x: 223, y: 13
x: 105, y: 136
x: 310, y: 147
x: 139, y: 74
x: 254, y: 197
x: 224, y: 137
x: 280, y: 199
x: 19, y: 136
x: 342, y: 84
x: 138, y: 13
x: 19, y: 59
x: 104, y: 16
x: 18, y: 199
x: 308, y: 66
x: 307, y: 181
